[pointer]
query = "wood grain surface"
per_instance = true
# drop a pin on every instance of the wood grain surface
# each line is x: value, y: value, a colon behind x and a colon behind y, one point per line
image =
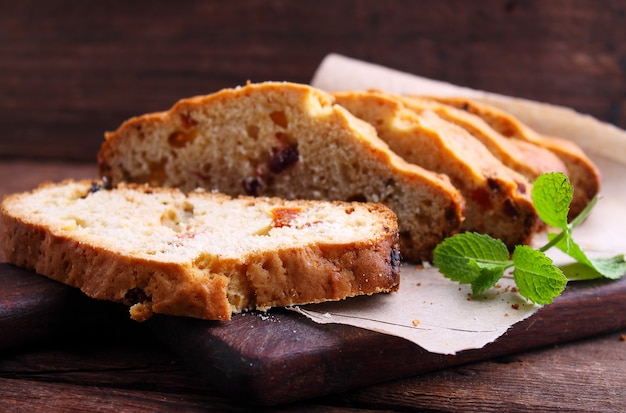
x: 102, y: 361
x: 282, y: 357
x: 30, y: 307
x: 70, y: 70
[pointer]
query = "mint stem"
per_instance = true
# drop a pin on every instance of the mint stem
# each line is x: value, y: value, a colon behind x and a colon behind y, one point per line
x: 566, y: 232
x: 555, y: 240
x: 584, y: 213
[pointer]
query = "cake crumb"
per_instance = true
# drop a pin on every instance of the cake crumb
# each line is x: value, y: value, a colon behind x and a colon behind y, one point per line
x: 416, y: 322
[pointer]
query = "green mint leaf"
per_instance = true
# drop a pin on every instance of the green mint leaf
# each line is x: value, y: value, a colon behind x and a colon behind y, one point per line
x: 536, y: 276
x: 552, y: 194
x: 488, y: 277
x: 580, y: 218
x: 579, y: 272
x: 448, y: 256
x: 613, y: 268
x: 481, y: 260
x: 464, y: 257
x: 569, y: 246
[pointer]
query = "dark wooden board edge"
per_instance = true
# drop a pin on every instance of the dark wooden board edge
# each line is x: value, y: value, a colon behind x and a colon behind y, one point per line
x: 281, y: 356
x: 284, y: 357
x: 35, y: 310
x: 31, y: 306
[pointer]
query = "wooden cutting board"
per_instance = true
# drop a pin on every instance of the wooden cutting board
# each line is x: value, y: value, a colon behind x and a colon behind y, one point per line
x: 282, y: 356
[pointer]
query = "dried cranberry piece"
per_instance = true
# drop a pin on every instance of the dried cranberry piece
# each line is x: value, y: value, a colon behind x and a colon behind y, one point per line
x: 282, y: 216
x: 283, y: 158
x: 187, y: 121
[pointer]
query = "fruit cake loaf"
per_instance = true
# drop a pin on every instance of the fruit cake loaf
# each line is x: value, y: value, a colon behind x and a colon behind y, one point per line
x: 582, y: 172
x: 200, y: 254
x: 497, y: 198
x: 525, y: 157
x: 286, y: 140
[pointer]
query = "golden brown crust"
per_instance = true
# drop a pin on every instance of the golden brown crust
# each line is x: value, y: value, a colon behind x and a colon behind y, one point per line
x: 582, y: 172
x: 308, y: 272
x: 524, y: 157
x: 105, y: 275
x: 324, y: 273
x: 285, y: 140
x: 497, y: 200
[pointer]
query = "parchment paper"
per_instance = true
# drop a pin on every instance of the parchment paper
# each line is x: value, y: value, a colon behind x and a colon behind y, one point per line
x: 437, y: 314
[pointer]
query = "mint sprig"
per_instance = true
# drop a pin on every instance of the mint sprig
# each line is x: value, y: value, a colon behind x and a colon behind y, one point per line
x: 480, y: 260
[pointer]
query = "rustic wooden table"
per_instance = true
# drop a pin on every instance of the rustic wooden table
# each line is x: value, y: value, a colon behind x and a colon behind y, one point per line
x: 113, y: 364
x: 70, y: 70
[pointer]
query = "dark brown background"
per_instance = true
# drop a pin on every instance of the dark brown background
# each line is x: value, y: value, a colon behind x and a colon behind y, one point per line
x: 72, y: 69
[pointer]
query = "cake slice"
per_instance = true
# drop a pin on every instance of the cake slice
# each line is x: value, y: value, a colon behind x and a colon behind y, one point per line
x: 522, y: 156
x: 582, y: 172
x: 200, y: 254
x: 497, y: 198
x: 285, y: 140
